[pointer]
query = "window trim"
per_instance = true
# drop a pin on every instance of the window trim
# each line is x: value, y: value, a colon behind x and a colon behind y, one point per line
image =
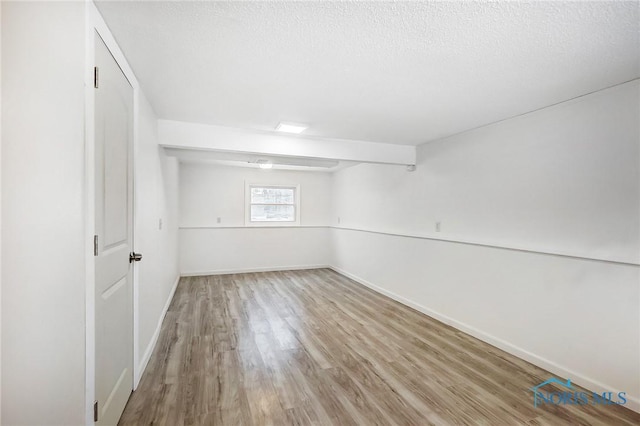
x: 281, y: 224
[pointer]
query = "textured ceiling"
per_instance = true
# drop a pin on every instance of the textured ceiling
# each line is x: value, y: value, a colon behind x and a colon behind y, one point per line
x: 392, y: 72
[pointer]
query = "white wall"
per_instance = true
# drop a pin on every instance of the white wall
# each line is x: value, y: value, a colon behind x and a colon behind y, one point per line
x: 561, y: 180
x: 211, y: 191
x: 156, y: 201
x: 0, y: 215
x: 209, y: 251
x: 43, y: 176
x: 43, y: 316
x: 564, y: 179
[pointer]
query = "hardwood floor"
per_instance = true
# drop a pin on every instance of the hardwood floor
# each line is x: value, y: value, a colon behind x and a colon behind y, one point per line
x: 315, y: 348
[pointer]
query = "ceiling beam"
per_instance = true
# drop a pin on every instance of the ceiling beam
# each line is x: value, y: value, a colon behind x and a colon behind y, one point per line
x: 178, y: 134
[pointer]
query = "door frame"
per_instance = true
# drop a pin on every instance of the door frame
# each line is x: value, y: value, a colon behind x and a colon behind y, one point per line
x: 95, y: 26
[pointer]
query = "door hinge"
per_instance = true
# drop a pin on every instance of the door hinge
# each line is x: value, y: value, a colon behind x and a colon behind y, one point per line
x: 95, y: 411
x: 95, y: 245
x: 95, y: 77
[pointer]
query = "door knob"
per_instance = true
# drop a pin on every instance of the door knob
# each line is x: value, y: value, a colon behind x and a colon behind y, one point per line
x: 135, y: 257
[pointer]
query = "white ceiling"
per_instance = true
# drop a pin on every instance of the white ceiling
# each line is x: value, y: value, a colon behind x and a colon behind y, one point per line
x: 403, y: 73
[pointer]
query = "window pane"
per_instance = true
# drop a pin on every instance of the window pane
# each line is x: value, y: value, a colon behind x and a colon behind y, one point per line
x: 273, y: 213
x: 272, y: 195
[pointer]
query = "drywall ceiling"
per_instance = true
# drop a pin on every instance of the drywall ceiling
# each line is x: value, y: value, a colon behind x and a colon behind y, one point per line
x: 395, y: 72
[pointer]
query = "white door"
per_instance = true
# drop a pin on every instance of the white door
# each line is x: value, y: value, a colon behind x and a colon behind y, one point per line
x: 114, y: 214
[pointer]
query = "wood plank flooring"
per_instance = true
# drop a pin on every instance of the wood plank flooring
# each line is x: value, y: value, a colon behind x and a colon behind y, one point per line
x: 315, y: 348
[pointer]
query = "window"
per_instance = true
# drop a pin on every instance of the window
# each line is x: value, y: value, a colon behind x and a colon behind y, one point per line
x: 273, y: 205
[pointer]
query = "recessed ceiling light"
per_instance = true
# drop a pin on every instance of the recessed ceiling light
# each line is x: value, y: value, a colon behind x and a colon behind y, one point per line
x: 291, y: 128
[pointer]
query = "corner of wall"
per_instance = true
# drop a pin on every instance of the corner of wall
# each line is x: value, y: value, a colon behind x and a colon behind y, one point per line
x: 146, y: 356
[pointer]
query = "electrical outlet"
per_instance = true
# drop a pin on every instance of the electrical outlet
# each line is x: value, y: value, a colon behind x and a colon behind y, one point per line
x: 219, y: 220
x: 438, y: 227
x: 338, y: 220
x: 160, y: 224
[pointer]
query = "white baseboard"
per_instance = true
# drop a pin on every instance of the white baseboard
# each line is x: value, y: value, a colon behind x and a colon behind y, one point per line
x: 154, y: 339
x: 249, y: 270
x: 633, y: 402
